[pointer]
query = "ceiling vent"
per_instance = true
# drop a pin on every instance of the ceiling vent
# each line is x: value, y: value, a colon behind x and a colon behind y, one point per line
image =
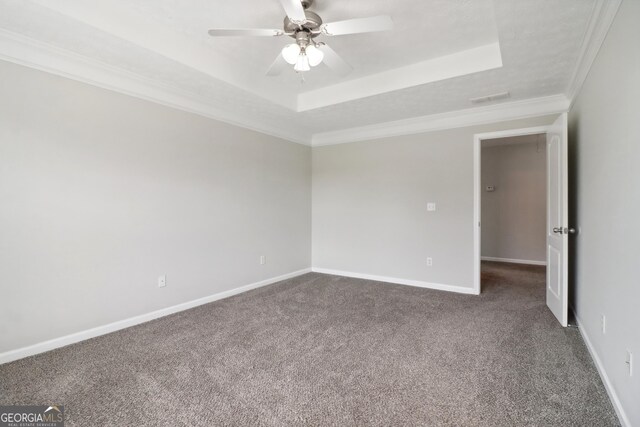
x: 489, y: 98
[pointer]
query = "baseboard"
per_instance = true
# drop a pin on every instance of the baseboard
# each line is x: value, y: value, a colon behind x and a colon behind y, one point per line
x: 617, y: 405
x: 513, y: 261
x: 42, y: 347
x: 417, y: 283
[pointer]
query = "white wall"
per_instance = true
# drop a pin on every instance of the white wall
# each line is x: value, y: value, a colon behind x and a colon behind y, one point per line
x: 101, y: 193
x: 514, y: 216
x: 605, y: 149
x: 370, y: 205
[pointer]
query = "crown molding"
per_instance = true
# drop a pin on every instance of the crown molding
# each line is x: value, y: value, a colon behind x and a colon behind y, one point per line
x: 33, y: 53
x: 454, y: 119
x: 604, y: 11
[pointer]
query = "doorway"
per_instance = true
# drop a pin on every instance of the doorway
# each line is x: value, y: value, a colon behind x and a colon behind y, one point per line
x: 513, y: 201
x: 513, y: 208
x: 555, y: 220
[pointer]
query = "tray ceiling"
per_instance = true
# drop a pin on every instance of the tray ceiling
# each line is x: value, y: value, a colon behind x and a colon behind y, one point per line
x: 440, y: 54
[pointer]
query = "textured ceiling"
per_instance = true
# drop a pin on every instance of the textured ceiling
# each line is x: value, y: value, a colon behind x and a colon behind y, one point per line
x: 539, y: 40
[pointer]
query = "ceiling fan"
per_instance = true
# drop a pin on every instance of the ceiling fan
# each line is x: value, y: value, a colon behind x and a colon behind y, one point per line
x: 304, y: 26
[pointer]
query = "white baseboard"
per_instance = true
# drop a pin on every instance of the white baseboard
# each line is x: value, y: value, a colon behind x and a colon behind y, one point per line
x: 617, y: 405
x: 437, y: 286
x: 513, y: 261
x: 31, y: 350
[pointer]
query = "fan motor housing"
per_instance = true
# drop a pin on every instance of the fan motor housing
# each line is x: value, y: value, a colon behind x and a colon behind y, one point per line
x: 312, y: 24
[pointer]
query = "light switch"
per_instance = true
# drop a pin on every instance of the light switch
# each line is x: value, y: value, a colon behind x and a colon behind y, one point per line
x: 431, y: 207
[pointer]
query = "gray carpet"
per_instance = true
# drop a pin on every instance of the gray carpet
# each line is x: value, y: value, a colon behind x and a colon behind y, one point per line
x: 327, y: 350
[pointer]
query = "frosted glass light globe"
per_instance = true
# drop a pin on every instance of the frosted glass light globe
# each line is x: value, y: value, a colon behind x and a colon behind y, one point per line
x: 314, y: 54
x: 290, y: 53
x: 302, y: 64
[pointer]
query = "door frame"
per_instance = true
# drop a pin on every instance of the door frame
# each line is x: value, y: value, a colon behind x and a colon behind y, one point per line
x: 477, y: 189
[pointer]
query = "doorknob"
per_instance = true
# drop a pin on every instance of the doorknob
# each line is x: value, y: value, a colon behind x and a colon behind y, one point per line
x: 569, y: 231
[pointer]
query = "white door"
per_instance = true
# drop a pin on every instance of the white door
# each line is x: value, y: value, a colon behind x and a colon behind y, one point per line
x: 557, y: 220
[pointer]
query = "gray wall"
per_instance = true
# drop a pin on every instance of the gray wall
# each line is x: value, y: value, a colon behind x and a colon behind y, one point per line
x: 514, y: 216
x: 605, y: 148
x: 370, y: 205
x: 101, y: 193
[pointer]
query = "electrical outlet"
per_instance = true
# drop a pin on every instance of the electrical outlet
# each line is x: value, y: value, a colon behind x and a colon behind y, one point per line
x: 162, y: 281
x: 429, y: 262
x: 603, y: 323
x: 629, y: 362
x: 263, y: 260
x: 431, y: 207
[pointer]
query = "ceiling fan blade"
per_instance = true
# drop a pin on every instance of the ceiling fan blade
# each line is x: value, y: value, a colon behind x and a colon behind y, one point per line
x: 355, y: 26
x: 334, y: 61
x: 278, y: 66
x: 219, y: 32
x: 294, y: 10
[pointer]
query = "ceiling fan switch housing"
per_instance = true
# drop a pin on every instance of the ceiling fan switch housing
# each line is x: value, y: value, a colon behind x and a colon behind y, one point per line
x: 302, y: 37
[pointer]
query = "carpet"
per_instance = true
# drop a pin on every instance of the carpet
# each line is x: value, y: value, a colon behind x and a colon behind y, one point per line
x: 328, y: 350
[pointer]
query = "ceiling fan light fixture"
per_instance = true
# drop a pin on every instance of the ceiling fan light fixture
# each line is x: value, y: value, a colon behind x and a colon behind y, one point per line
x: 304, y: 26
x: 290, y: 53
x: 314, y: 54
x: 302, y: 64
